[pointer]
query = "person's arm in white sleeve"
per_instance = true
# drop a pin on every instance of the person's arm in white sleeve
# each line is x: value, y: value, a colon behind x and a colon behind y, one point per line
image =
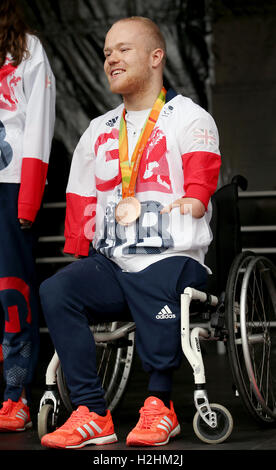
x: 40, y: 93
x: 81, y: 199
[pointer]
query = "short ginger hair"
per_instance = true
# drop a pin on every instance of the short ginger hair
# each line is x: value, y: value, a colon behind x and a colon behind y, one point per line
x: 157, y: 39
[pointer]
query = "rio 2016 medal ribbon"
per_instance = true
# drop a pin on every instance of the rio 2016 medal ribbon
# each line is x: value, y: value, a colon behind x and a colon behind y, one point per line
x: 129, y: 208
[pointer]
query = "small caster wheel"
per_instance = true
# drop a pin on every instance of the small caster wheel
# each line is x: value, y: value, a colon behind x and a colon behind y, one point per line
x: 218, y: 434
x: 45, y: 420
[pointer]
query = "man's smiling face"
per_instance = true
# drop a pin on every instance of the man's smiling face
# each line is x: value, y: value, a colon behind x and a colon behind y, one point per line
x: 127, y: 59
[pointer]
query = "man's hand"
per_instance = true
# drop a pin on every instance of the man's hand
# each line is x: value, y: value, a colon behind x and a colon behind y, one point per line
x: 25, y: 224
x: 187, y: 205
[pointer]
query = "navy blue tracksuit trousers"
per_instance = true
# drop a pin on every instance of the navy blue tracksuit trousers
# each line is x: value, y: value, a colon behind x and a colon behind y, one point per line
x: 94, y: 290
x: 19, y: 301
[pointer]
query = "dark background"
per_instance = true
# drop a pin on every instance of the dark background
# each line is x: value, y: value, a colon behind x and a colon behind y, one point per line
x: 220, y: 53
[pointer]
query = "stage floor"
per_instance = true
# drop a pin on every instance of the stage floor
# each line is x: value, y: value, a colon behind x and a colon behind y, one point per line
x: 246, y: 435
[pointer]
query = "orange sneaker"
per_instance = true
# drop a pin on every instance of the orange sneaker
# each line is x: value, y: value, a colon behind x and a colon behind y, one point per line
x: 82, y: 428
x: 14, y: 416
x: 157, y: 424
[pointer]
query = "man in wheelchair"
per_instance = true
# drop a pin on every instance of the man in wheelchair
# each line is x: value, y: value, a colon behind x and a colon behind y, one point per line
x: 138, y: 213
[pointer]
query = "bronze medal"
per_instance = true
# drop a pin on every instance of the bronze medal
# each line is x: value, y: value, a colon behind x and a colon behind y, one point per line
x: 127, y: 211
x: 129, y: 208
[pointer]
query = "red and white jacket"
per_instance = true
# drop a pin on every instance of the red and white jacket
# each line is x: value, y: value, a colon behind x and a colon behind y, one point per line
x: 181, y: 158
x: 27, y: 117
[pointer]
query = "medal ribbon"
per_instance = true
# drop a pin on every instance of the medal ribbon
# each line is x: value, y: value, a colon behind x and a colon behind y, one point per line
x: 130, y: 171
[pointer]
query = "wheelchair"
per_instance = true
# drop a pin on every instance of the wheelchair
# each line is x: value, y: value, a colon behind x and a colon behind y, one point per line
x: 238, y: 309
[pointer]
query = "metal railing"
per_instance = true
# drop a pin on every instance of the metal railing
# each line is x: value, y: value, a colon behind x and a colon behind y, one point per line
x: 244, y: 229
x: 266, y: 250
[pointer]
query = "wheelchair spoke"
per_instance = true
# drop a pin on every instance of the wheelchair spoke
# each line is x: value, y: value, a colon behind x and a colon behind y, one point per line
x: 259, y: 312
x: 251, y: 322
x: 103, y: 375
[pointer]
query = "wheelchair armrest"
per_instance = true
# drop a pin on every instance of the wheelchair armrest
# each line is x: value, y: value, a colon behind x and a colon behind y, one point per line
x: 195, y: 294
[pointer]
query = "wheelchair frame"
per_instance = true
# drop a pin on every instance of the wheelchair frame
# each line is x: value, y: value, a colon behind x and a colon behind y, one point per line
x: 243, y: 318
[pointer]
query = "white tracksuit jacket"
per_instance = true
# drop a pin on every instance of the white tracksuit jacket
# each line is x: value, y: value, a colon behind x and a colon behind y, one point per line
x: 181, y: 158
x: 27, y: 117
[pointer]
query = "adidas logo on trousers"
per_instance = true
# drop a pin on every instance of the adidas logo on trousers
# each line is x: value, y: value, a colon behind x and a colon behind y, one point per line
x: 165, y: 313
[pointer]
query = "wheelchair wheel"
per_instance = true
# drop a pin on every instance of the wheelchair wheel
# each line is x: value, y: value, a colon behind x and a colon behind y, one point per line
x: 114, y: 361
x: 45, y: 420
x: 251, y: 322
x: 218, y: 434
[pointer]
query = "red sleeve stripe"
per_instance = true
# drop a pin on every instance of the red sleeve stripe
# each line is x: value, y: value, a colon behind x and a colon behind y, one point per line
x: 33, y: 179
x: 201, y: 171
x: 79, y: 223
